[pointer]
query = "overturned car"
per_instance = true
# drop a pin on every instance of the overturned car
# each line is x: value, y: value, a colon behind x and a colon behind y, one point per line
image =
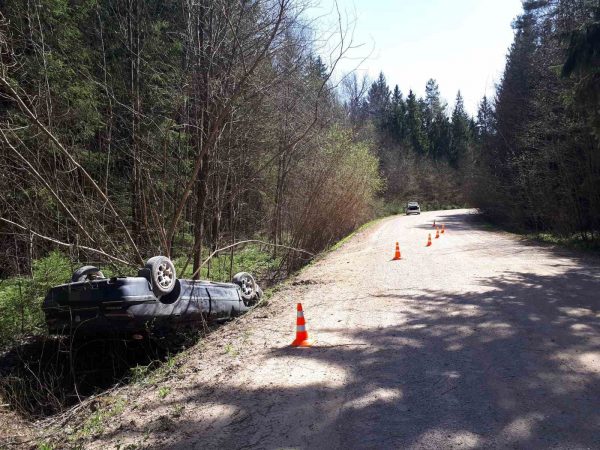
x: 154, y: 301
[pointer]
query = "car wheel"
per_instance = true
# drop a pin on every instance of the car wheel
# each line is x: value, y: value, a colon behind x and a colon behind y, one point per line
x: 85, y: 273
x: 247, y: 285
x: 162, y: 274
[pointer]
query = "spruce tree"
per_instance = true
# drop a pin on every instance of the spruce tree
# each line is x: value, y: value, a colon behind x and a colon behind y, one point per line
x: 460, y: 132
x: 414, y: 124
x: 433, y: 102
x: 485, y: 119
x: 397, y: 125
x: 379, y: 102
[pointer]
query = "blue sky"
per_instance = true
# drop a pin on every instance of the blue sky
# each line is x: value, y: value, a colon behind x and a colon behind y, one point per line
x: 460, y: 43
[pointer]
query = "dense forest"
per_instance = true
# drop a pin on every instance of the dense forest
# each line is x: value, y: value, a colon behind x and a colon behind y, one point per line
x: 133, y: 128
x: 537, y: 166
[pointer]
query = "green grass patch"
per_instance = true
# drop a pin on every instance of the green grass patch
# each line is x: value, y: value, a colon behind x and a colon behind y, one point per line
x: 21, y: 298
x: 163, y: 391
x: 96, y: 422
x: 575, y: 241
x: 253, y: 258
x: 45, y: 446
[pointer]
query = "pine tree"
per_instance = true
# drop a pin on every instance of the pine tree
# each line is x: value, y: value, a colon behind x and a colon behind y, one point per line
x: 379, y: 103
x: 433, y: 102
x: 397, y: 125
x: 435, y: 120
x: 583, y: 61
x: 439, y: 136
x: 414, y: 124
x: 485, y: 120
x: 514, y: 95
x: 460, y: 132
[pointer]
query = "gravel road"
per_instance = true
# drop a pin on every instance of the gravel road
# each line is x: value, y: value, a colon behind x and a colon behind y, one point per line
x: 483, y: 340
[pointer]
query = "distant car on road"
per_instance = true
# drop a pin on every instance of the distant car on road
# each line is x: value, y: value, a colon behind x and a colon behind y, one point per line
x: 413, y: 208
x: 154, y: 300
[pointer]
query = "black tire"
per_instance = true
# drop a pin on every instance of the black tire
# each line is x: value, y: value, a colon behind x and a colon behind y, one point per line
x: 83, y: 274
x: 162, y: 275
x: 247, y: 285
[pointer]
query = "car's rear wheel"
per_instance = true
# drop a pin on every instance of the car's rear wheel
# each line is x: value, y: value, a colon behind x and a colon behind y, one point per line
x: 162, y: 274
x: 86, y: 273
x: 247, y: 285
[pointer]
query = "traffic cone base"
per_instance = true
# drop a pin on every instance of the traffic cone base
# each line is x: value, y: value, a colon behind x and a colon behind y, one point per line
x: 397, y: 255
x: 301, y: 333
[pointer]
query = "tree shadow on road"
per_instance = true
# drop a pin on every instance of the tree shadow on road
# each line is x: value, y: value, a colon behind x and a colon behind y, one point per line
x: 458, y: 221
x: 516, y: 366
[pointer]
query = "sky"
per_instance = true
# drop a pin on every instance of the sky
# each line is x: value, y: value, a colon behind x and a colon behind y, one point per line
x: 462, y: 44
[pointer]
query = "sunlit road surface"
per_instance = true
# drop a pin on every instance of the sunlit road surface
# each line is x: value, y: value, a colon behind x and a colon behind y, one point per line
x: 482, y: 340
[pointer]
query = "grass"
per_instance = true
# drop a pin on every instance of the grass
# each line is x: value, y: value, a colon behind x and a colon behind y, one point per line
x: 177, y: 410
x: 139, y: 374
x: 253, y: 258
x: 574, y: 241
x: 21, y: 298
x: 95, y: 423
x: 163, y: 391
x: 231, y: 350
x: 157, y: 371
x: 45, y: 446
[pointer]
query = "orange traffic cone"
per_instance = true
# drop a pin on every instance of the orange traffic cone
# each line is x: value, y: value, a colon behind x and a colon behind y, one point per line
x: 429, y: 241
x: 437, y: 233
x: 301, y: 333
x: 443, y: 228
x: 433, y: 226
x: 397, y: 255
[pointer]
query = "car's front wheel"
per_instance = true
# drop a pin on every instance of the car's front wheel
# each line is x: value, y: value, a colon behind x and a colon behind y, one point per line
x: 86, y: 273
x: 247, y: 285
x: 162, y: 274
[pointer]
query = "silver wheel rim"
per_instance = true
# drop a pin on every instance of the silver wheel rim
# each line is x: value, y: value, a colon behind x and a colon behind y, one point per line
x: 247, y: 286
x: 164, y: 275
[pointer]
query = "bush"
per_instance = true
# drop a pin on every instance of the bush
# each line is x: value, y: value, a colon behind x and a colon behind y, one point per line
x: 334, y: 192
x: 21, y: 298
